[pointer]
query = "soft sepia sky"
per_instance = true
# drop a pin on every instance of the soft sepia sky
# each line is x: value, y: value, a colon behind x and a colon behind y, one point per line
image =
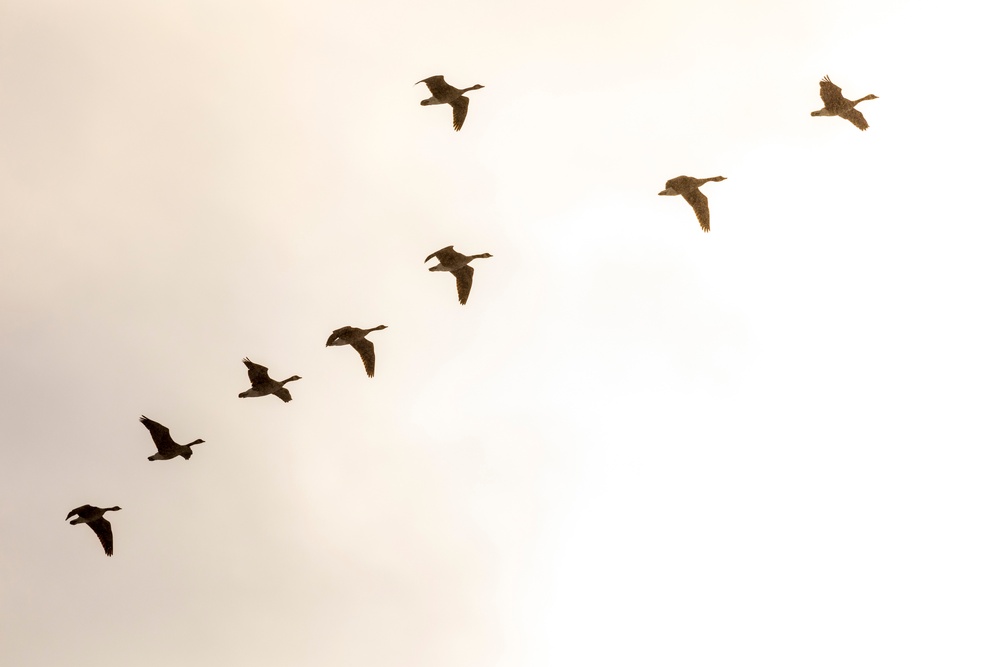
x: 638, y: 444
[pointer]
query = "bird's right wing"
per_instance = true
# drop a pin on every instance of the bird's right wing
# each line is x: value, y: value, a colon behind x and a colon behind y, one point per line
x: 256, y: 372
x: 436, y: 253
x: 337, y: 333
x: 830, y: 93
x: 160, y: 434
x: 437, y: 85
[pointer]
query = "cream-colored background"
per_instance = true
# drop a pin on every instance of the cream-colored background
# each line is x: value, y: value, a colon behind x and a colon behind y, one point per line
x: 638, y: 444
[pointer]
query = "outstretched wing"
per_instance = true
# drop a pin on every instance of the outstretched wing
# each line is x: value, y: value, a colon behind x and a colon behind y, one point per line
x: 830, y: 93
x: 160, y: 434
x: 699, y: 203
x: 855, y: 117
x: 367, y: 351
x: 283, y: 394
x: 459, y: 110
x: 103, y: 529
x: 257, y: 373
x: 463, y: 278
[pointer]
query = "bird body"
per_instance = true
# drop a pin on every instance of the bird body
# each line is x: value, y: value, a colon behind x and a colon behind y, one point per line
x: 356, y: 338
x: 687, y: 187
x: 94, y: 517
x: 458, y: 265
x: 835, y: 104
x: 166, y: 448
x: 443, y: 93
x: 262, y: 384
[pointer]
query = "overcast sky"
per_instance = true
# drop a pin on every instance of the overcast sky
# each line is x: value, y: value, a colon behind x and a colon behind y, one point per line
x: 637, y: 444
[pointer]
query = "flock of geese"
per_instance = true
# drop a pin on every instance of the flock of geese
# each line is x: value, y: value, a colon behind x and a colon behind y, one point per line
x: 450, y: 260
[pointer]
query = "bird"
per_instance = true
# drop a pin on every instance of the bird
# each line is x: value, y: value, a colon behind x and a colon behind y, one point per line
x: 356, y: 338
x: 263, y: 384
x: 442, y: 93
x: 835, y: 104
x: 458, y: 265
x: 94, y: 517
x: 166, y: 448
x: 687, y: 187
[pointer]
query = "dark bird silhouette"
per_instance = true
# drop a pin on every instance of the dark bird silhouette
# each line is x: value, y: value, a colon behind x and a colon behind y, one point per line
x: 835, y: 104
x: 356, y: 338
x: 687, y: 187
x: 166, y: 448
x: 262, y: 384
x: 442, y: 93
x: 458, y: 265
x: 94, y: 517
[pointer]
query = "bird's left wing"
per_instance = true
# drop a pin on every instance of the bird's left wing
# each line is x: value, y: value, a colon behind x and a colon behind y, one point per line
x: 103, y: 529
x: 463, y: 280
x: 459, y: 110
x: 367, y: 351
x: 855, y: 117
x: 699, y: 202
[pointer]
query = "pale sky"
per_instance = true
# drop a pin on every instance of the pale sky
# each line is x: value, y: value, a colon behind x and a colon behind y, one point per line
x: 638, y: 444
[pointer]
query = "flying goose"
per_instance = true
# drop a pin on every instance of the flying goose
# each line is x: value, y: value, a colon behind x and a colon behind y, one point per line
x: 356, y: 338
x: 165, y: 445
x: 687, y: 187
x: 94, y: 517
x: 835, y: 104
x: 263, y: 384
x: 458, y: 265
x: 442, y: 93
